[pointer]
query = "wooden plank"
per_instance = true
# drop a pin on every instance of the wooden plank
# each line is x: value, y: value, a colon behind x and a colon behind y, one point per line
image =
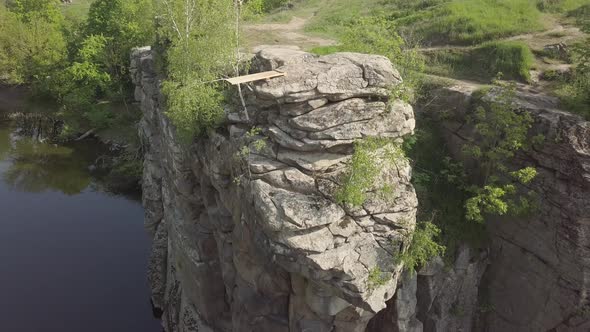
x: 255, y: 77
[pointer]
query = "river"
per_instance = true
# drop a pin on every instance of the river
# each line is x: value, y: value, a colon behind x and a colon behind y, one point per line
x: 73, y: 256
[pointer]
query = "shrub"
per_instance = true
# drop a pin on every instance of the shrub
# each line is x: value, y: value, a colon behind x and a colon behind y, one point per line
x: 202, y: 49
x: 258, y: 7
x: 501, y: 132
x: 370, y: 156
x: 377, y: 278
x: 424, y: 246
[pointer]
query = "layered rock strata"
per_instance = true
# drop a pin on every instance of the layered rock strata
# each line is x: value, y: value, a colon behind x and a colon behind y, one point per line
x: 537, y: 279
x: 247, y: 233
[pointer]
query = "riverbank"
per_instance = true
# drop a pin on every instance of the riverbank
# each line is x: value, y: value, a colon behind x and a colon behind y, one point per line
x: 75, y: 251
x: 118, y: 166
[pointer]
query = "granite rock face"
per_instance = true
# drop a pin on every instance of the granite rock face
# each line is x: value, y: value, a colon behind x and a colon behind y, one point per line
x: 247, y: 233
x: 537, y: 279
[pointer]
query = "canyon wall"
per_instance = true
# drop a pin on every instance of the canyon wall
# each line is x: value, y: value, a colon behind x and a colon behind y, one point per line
x: 537, y: 279
x: 247, y: 235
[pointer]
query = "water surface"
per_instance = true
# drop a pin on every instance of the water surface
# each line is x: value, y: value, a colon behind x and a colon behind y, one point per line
x: 73, y: 257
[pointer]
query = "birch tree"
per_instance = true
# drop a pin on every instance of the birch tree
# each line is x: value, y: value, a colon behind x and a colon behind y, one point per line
x: 202, y: 37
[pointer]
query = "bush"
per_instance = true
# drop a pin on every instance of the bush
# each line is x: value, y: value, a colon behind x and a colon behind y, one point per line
x: 439, y: 184
x: 202, y: 49
x: 370, y: 156
x: 424, y: 246
x: 259, y: 7
x: 193, y: 107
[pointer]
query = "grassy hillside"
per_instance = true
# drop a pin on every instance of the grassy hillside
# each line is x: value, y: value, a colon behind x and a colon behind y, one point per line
x: 469, y: 22
x: 513, y: 59
x: 433, y: 21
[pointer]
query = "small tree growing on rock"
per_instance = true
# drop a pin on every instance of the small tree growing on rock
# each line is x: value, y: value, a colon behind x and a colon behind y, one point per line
x: 202, y: 49
x: 500, y: 132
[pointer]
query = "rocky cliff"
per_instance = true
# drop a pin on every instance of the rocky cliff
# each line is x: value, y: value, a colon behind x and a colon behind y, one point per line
x: 537, y: 279
x: 247, y: 232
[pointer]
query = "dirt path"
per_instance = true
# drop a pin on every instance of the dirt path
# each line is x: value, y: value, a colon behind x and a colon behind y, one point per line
x: 291, y: 33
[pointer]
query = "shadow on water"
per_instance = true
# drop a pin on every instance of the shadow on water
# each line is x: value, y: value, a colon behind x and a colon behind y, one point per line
x: 36, y: 165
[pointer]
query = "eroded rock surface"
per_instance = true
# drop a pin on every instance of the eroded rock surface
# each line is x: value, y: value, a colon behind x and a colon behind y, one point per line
x: 252, y: 239
x: 537, y: 279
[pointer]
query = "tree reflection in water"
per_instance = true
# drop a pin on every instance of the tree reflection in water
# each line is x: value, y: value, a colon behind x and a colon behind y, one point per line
x: 33, y: 165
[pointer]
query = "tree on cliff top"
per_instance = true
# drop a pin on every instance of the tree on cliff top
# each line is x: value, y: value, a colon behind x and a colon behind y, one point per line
x: 124, y: 24
x: 202, y: 49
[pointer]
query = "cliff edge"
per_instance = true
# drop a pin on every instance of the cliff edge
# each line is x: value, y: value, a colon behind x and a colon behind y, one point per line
x: 247, y: 232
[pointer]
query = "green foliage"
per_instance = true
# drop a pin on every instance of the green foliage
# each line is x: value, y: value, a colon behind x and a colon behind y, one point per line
x: 511, y: 58
x: 560, y: 6
x: 424, y: 246
x: 581, y: 16
x: 203, y: 48
x: 193, y: 107
x: 253, y: 142
x: 79, y: 85
x: 501, y: 132
x: 32, y: 10
x: 123, y: 24
x: 474, y: 21
x: 377, y: 278
x: 76, y: 63
x: 378, y: 35
x: 333, y: 17
x: 31, y: 40
x: 253, y: 8
x: 370, y: 156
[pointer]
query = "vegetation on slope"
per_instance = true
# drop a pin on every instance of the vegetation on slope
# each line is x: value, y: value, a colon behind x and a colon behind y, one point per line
x: 435, y: 21
x: 196, y: 60
x: 80, y: 65
x: 513, y: 59
x: 575, y: 90
x: 471, y: 22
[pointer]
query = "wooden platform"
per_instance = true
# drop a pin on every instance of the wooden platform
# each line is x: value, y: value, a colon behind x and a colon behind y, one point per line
x: 255, y: 77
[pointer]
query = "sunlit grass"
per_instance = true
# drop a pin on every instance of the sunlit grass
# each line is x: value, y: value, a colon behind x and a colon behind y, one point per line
x: 476, y: 21
x: 77, y: 10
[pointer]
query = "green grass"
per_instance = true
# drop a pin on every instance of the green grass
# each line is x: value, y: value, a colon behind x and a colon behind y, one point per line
x: 470, y: 22
x: 461, y: 22
x: 513, y: 59
x: 581, y: 16
x: 560, y: 6
x: 325, y: 50
x: 333, y: 16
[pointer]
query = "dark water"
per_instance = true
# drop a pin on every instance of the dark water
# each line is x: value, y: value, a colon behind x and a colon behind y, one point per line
x: 72, y: 257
